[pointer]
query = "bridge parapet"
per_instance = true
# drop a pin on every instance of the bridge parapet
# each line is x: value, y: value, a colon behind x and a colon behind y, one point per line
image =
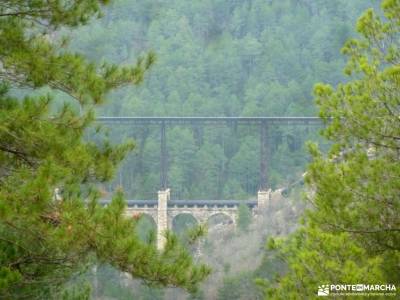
x: 187, y: 203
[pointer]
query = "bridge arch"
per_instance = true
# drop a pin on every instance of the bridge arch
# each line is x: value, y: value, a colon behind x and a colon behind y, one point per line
x: 222, y: 218
x: 146, y: 226
x: 182, y: 222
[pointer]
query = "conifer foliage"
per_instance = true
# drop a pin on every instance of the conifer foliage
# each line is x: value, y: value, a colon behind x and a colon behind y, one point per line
x: 51, y: 225
x: 352, y: 232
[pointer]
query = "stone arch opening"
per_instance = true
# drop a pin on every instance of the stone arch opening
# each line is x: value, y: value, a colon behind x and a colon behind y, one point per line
x: 220, y: 219
x: 221, y: 228
x: 181, y: 223
x: 146, y: 227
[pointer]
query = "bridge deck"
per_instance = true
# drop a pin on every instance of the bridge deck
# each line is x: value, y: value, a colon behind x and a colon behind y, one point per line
x: 188, y: 203
x: 212, y: 120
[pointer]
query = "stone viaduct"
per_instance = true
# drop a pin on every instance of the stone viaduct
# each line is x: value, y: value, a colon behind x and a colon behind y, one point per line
x: 164, y: 210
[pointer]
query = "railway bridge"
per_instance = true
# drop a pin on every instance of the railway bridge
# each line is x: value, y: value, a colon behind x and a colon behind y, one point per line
x: 164, y: 210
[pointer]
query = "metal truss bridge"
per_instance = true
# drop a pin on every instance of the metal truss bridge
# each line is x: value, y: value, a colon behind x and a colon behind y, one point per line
x: 264, y: 124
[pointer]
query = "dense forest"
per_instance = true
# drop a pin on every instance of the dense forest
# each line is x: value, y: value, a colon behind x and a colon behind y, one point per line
x: 332, y: 216
x: 219, y: 58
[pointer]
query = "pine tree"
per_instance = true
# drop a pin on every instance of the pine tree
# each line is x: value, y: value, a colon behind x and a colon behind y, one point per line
x: 352, y: 233
x: 51, y: 225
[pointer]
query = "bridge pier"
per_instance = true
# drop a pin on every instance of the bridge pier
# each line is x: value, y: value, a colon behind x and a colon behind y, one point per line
x: 263, y: 199
x: 162, y: 217
x: 264, y: 155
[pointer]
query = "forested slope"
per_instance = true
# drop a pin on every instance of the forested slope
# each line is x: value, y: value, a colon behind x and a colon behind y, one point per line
x: 219, y: 58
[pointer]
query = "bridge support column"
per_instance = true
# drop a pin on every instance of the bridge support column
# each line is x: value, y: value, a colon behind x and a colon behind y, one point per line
x: 162, y: 217
x: 263, y: 199
x: 264, y: 155
x: 163, y: 158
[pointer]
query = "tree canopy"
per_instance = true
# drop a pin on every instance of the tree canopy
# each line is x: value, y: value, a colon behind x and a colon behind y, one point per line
x: 351, y: 233
x: 219, y: 58
x: 51, y: 225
